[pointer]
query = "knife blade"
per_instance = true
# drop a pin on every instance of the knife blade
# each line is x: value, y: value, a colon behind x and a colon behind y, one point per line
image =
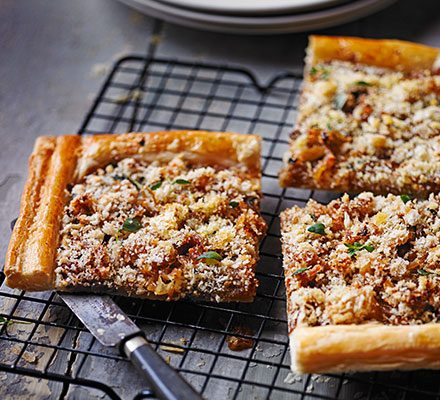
x: 102, y: 317
x: 112, y: 327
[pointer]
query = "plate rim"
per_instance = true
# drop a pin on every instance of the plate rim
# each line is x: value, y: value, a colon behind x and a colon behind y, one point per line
x: 251, y: 7
x: 260, y: 25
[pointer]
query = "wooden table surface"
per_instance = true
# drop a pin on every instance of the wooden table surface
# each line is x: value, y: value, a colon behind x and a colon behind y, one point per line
x: 55, y: 55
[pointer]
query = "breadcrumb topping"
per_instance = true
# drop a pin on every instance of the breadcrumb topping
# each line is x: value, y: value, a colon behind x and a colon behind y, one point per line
x: 366, y: 128
x: 168, y: 230
x: 372, y: 259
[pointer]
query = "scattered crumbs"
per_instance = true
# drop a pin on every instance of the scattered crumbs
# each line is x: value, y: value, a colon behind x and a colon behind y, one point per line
x: 99, y: 70
x: 321, y: 378
x: 269, y: 366
x: 120, y: 317
x: 168, y: 359
x: 236, y: 343
x: 172, y: 349
x: 155, y: 39
x: 292, y: 378
x: 183, y: 341
x: 137, y: 94
x: 258, y: 348
x: 345, y: 381
x: 100, y: 331
x: 252, y: 365
x: 310, y: 388
x: 134, y: 95
x: 272, y: 355
x: 29, y: 356
x: 3, y: 376
x: 201, y: 364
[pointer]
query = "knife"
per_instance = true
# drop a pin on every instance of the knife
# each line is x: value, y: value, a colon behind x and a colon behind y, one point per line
x: 112, y: 327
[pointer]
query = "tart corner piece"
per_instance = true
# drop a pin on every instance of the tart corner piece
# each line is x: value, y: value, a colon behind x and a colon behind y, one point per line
x: 163, y: 215
x: 369, y: 118
x: 363, y: 283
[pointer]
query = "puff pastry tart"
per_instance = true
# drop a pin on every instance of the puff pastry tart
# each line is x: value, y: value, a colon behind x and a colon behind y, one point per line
x: 363, y: 283
x: 160, y: 215
x: 369, y: 118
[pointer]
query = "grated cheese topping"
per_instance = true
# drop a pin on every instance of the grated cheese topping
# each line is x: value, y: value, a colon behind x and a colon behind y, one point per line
x: 143, y: 229
x: 377, y: 259
x: 367, y: 128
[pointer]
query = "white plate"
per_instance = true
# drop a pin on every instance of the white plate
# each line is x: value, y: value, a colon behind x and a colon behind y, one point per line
x: 260, y: 25
x: 250, y: 7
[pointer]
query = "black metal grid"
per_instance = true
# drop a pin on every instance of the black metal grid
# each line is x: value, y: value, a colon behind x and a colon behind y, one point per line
x: 145, y: 94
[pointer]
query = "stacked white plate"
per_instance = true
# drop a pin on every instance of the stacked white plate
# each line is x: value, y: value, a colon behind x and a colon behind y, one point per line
x: 258, y: 16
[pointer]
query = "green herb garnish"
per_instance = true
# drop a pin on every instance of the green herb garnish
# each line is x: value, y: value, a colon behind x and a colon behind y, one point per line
x: 317, y: 228
x: 3, y: 321
x: 356, y: 246
x: 233, y: 204
x: 423, y: 272
x: 210, y: 255
x: 156, y: 185
x: 340, y: 100
x: 329, y: 127
x: 301, y: 270
x: 323, y: 72
x: 363, y: 83
x: 181, y: 182
x: 131, y: 225
x: 9, y: 322
x: 405, y: 198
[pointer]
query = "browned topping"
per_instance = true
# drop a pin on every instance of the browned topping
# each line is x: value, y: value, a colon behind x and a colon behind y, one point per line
x: 164, y: 229
x: 362, y: 127
x: 378, y: 261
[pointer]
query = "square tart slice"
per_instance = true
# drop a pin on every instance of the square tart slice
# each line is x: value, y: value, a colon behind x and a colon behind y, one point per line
x: 369, y: 118
x: 163, y: 215
x: 363, y: 283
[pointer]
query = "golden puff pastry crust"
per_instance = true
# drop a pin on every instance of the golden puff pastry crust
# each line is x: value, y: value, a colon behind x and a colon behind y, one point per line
x: 162, y: 215
x: 363, y: 283
x: 369, y: 347
x: 369, y: 118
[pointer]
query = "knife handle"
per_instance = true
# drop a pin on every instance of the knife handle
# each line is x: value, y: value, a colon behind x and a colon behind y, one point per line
x: 166, y: 382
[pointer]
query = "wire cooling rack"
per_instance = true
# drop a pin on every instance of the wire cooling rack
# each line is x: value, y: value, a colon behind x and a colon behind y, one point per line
x: 40, y: 338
